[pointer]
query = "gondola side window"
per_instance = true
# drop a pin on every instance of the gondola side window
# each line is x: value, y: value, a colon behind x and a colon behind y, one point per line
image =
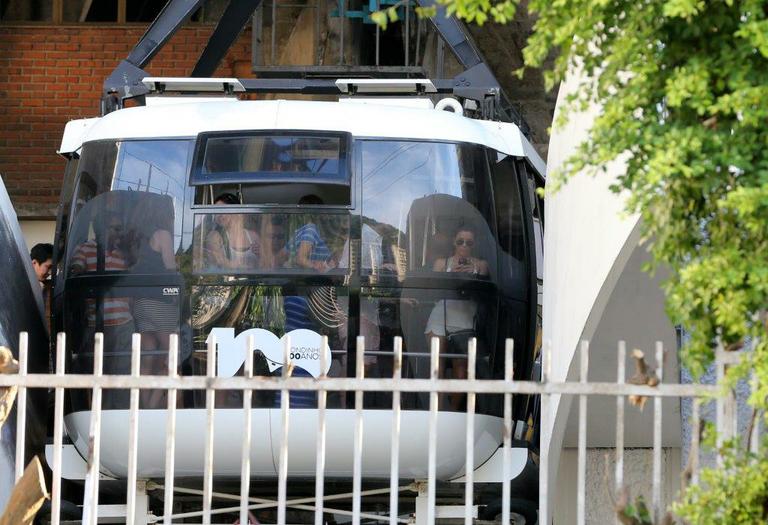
x: 430, y: 203
x: 509, y: 214
x: 127, y: 208
x: 233, y: 243
x: 281, y: 310
x: 273, y: 168
x: 537, y: 204
x: 64, y: 210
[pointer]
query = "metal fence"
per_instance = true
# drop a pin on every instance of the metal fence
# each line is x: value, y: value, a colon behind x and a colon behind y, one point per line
x: 427, y: 510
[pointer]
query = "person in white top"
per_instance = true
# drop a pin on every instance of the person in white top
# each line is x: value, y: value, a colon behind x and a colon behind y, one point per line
x: 232, y: 246
x: 462, y: 259
x: 452, y: 318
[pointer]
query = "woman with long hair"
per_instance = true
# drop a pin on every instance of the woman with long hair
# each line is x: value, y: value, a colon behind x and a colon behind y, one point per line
x: 231, y: 245
x: 453, y: 320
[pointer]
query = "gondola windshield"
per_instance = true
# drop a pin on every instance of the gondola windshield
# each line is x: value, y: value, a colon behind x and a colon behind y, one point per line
x: 272, y: 168
x: 274, y: 243
x: 121, y: 256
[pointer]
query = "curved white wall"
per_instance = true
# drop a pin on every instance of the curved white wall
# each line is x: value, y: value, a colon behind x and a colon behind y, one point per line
x: 595, y: 290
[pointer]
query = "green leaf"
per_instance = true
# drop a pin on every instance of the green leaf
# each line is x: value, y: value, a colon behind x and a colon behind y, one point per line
x: 682, y: 92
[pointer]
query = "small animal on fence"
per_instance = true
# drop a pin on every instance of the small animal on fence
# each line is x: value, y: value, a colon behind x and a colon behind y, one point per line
x: 643, y: 376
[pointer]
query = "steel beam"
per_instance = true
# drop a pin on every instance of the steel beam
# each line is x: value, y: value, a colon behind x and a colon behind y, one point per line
x: 175, y: 14
x: 231, y: 24
x: 125, y: 80
x: 477, y: 82
x: 455, y: 34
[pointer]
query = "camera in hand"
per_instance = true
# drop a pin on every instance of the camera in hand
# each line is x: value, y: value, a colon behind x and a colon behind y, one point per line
x: 463, y: 261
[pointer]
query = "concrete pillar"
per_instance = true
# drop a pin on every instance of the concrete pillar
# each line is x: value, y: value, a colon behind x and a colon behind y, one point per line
x: 600, y: 497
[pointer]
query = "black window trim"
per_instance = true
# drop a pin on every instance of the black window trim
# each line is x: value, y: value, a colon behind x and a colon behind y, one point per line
x: 197, y: 178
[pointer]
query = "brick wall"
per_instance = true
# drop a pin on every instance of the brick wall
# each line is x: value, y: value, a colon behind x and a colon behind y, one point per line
x: 52, y: 74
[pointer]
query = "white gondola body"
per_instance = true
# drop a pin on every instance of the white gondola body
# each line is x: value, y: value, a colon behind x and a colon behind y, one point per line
x: 172, y: 118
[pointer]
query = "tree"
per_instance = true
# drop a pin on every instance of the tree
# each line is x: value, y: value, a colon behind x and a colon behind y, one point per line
x: 683, y: 86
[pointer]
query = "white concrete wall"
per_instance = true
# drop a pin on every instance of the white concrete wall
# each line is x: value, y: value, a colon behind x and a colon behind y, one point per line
x: 594, y: 289
x: 37, y: 231
x: 601, y: 467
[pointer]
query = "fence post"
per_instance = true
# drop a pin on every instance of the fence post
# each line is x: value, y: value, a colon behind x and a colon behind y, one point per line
x: 620, y: 380
x: 21, y: 407
x: 58, y: 432
x: 546, y: 371
x: 657, y: 500
x: 582, y: 450
x: 725, y: 404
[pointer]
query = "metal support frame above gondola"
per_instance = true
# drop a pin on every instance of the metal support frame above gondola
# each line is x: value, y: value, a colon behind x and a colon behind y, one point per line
x: 477, y: 82
x: 125, y: 80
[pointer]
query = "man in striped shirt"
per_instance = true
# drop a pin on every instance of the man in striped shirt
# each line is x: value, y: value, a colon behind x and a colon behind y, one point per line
x: 307, y: 250
x: 117, y: 310
x: 116, y: 320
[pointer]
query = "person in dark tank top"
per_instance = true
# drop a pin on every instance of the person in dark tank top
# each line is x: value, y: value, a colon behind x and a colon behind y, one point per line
x: 157, y: 316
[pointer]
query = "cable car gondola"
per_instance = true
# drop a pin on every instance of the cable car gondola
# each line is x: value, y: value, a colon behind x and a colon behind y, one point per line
x: 304, y: 219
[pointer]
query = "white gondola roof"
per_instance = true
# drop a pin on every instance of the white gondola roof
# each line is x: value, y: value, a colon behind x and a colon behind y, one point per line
x: 361, y: 120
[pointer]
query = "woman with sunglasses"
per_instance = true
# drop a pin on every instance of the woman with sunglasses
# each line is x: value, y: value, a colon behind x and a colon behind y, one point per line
x: 462, y: 259
x: 453, y: 320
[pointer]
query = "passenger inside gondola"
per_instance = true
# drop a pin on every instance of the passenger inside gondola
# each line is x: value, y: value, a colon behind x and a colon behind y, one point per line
x: 109, y: 240
x: 307, y: 247
x: 232, y: 245
x: 105, y: 313
x: 454, y: 321
x: 273, y: 236
x: 462, y: 259
x: 308, y: 250
x: 156, y: 316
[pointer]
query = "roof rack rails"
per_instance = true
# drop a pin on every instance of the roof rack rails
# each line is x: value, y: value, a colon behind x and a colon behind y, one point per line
x: 196, y: 85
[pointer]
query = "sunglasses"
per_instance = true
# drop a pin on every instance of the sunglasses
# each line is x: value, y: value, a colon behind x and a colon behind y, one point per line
x: 464, y: 242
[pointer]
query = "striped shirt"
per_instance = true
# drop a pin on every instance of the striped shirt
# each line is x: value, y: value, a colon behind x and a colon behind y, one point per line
x: 308, y: 233
x: 297, y: 398
x: 117, y: 310
x: 297, y: 313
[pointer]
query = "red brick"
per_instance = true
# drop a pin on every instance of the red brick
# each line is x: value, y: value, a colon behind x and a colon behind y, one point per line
x: 34, y: 55
x: 50, y: 75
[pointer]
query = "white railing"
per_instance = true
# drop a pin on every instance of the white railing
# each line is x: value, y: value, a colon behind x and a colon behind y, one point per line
x: 243, y: 503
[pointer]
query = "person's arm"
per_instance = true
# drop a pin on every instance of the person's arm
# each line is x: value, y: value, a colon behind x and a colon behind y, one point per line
x: 439, y: 265
x: 78, y: 262
x: 255, y: 244
x: 307, y: 240
x: 281, y: 257
x: 162, y: 242
x: 482, y: 267
x: 304, y: 254
x: 214, y: 244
